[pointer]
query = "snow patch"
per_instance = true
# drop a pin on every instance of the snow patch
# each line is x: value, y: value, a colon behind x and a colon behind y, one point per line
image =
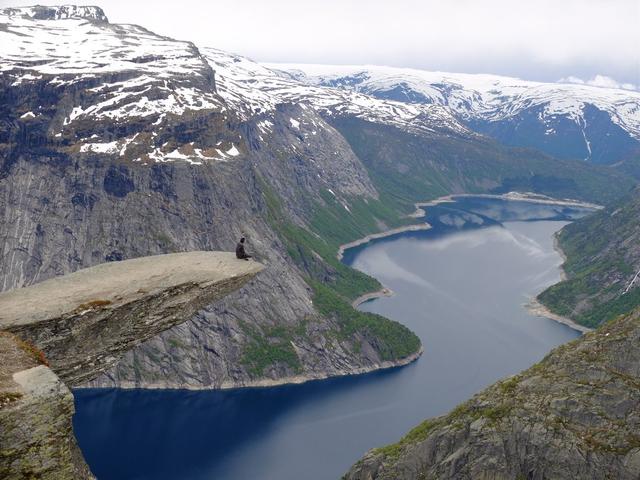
x: 108, y: 147
x: 233, y: 151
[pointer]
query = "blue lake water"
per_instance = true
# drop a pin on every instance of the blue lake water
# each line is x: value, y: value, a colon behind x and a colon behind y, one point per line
x: 461, y: 286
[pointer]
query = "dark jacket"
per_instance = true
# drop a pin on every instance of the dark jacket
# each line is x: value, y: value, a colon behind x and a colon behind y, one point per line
x: 240, y: 252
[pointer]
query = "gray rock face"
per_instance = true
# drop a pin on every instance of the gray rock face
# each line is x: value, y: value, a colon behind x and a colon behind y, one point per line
x: 576, y: 414
x: 36, y: 438
x: 84, y: 321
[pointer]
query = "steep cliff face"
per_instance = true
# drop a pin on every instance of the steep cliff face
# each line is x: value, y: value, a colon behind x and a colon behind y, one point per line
x: 573, y: 415
x: 120, y: 152
x: 602, y: 263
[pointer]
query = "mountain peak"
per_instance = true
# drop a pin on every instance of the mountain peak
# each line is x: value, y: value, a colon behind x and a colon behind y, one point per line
x: 59, y: 12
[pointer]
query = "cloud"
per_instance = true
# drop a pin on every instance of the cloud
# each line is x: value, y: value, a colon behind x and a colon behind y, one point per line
x: 600, y: 81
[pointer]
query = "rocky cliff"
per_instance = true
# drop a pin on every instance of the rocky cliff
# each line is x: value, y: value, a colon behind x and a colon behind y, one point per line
x: 127, y: 151
x: 74, y: 327
x: 83, y: 322
x: 36, y: 435
x: 576, y: 414
x: 602, y: 263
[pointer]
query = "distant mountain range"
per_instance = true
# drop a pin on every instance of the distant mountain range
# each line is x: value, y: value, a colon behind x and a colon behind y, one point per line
x: 601, y: 125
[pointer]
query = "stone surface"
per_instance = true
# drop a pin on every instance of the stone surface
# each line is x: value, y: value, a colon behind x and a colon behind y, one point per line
x: 576, y: 415
x: 36, y: 438
x: 85, y: 320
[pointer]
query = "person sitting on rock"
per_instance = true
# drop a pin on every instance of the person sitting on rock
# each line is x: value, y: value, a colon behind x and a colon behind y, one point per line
x: 240, y: 251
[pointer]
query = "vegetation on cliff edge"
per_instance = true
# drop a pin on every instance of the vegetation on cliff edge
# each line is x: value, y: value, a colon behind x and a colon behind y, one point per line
x: 602, y: 257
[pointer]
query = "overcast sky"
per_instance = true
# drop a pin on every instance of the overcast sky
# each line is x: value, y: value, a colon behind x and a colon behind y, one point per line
x: 533, y: 39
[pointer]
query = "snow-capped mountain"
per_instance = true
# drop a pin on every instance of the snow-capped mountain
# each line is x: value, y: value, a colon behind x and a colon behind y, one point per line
x: 255, y: 89
x: 110, y: 88
x: 567, y: 120
x: 97, y: 73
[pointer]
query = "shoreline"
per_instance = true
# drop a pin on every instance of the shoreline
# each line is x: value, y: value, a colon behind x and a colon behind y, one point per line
x: 266, y: 382
x: 525, y: 197
x: 511, y: 196
x: 383, y: 292
x: 420, y: 212
x: 558, y: 249
x: 534, y: 307
x: 416, y: 227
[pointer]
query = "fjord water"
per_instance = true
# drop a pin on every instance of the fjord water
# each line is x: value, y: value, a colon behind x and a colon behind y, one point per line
x: 461, y: 286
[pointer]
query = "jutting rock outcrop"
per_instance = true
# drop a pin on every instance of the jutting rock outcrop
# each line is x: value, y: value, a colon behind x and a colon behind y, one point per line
x: 83, y: 321
x: 77, y: 326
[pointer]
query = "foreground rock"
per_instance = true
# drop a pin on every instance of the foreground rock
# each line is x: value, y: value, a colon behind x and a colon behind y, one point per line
x: 36, y: 435
x: 576, y: 415
x: 84, y: 321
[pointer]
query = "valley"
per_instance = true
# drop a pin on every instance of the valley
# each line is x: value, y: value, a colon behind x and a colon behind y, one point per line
x: 118, y: 143
x: 473, y: 325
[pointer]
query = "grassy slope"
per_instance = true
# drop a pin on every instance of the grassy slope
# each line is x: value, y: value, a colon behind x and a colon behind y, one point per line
x: 603, y: 255
x: 334, y: 284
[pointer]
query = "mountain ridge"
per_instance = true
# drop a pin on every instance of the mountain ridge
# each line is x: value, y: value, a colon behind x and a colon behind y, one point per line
x: 59, y: 12
x: 558, y: 113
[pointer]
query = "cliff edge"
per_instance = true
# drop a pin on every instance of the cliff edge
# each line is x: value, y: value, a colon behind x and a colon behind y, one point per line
x: 72, y: 328
x: 84, y: 321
